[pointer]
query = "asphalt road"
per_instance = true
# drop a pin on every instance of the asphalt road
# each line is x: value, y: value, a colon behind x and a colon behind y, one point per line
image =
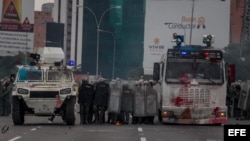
x: 39, y: 129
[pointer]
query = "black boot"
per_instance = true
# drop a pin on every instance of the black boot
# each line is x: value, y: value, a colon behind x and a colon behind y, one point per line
x: 81, y: 118
x: 86, y: 117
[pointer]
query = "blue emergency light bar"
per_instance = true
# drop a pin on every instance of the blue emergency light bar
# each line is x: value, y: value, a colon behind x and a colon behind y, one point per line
x: 71, y: 63
x: 198, y: 54
x: 183, y: 53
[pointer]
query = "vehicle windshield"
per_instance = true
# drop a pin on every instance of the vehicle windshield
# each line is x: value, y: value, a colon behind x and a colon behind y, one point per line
x: 30, y: 75
x: 185, y: 70
x: 59, y: 75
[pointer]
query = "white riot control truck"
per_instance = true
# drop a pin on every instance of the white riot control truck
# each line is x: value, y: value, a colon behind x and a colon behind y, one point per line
x: 44, y: 88
x: 193, y: 83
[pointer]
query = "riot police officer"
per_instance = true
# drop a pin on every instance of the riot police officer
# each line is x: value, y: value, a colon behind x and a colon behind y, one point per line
x: 135, y: 118
x: 101, y: 100
x: 114, y: 101
x: 7, y: 97
x: 85, y: 98
x: 127, y: 104
x: 1, y: 99
x: 151, y: 102
x: 139, y: 103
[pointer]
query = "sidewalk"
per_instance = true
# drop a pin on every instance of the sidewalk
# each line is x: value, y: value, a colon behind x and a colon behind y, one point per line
x: 240, y: 122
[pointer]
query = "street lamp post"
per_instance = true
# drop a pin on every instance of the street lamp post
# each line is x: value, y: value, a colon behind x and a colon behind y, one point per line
x: 26, y: 47
x: 192, y: 17
x: 98, y: 23
x: 113, y: 66
x: 182, y: 28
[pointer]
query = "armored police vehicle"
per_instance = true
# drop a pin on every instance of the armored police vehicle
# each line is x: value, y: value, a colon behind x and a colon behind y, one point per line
x: 44, y: 88
x: 194, y: 81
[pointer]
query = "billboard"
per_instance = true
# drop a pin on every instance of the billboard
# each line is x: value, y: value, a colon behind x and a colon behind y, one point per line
x: 16, y: 26
x: 165, y: 17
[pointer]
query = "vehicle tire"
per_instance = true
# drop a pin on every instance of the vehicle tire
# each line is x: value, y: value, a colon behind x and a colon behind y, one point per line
x: 64, y: 117
x: 17, y: 111
x: 159, y: 116
x: 70, y: 112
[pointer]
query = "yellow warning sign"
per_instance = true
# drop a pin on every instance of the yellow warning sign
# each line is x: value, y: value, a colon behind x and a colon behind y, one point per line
x: 12, y: 10
x: 26, y: 24
x: 26, y: 21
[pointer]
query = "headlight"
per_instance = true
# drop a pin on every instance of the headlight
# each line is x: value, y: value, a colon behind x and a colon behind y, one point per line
x: 221, y: 114
x: 65, y: 91
x: 167, y: 113
x: 22, y: 91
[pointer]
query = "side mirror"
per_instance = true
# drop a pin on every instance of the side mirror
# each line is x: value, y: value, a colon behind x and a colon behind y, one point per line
x: 12, y: 77
x: 156, y: 72
x: 231, y: 73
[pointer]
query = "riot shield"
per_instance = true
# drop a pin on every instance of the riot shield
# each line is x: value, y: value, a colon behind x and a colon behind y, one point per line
x: 151, y: 102
x: 139, y: 102
x: 127, y: 99
x: 244, y: 100
x: 114, y: 102
x: 247, y: 103
x: 131, y: 84
x: 101, y: 94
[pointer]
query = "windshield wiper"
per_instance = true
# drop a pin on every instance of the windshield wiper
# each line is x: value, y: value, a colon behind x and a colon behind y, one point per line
x: 210, y: 79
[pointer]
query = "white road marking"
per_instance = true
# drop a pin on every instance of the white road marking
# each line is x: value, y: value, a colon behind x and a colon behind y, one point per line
x: 143, y: 139
x: 33, y: 129
x: 16, y: 138
x: 140, y: 129
x: 141, y: 134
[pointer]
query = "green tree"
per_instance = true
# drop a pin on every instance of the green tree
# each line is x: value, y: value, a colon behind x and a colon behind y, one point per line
x: 8, y: 64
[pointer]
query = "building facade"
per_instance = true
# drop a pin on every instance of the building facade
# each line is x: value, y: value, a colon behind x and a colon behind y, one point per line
x: 41, y: 18
x: 70, y: 13
x: 48, y: 7
x: 115, y: 35
x: 236, y: 21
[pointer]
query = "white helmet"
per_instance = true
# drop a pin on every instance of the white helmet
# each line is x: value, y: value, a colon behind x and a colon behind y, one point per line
x: 145, y: 82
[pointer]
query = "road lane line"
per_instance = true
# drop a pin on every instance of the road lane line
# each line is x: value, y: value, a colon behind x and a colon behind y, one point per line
x: 140, y: 129
x: 141, y: 134
x: 33, y: 129
x: 143, y: 139
x: 16, y: 138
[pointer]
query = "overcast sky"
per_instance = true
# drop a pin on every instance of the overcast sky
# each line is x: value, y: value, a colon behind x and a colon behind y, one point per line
x: 38, y: 4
